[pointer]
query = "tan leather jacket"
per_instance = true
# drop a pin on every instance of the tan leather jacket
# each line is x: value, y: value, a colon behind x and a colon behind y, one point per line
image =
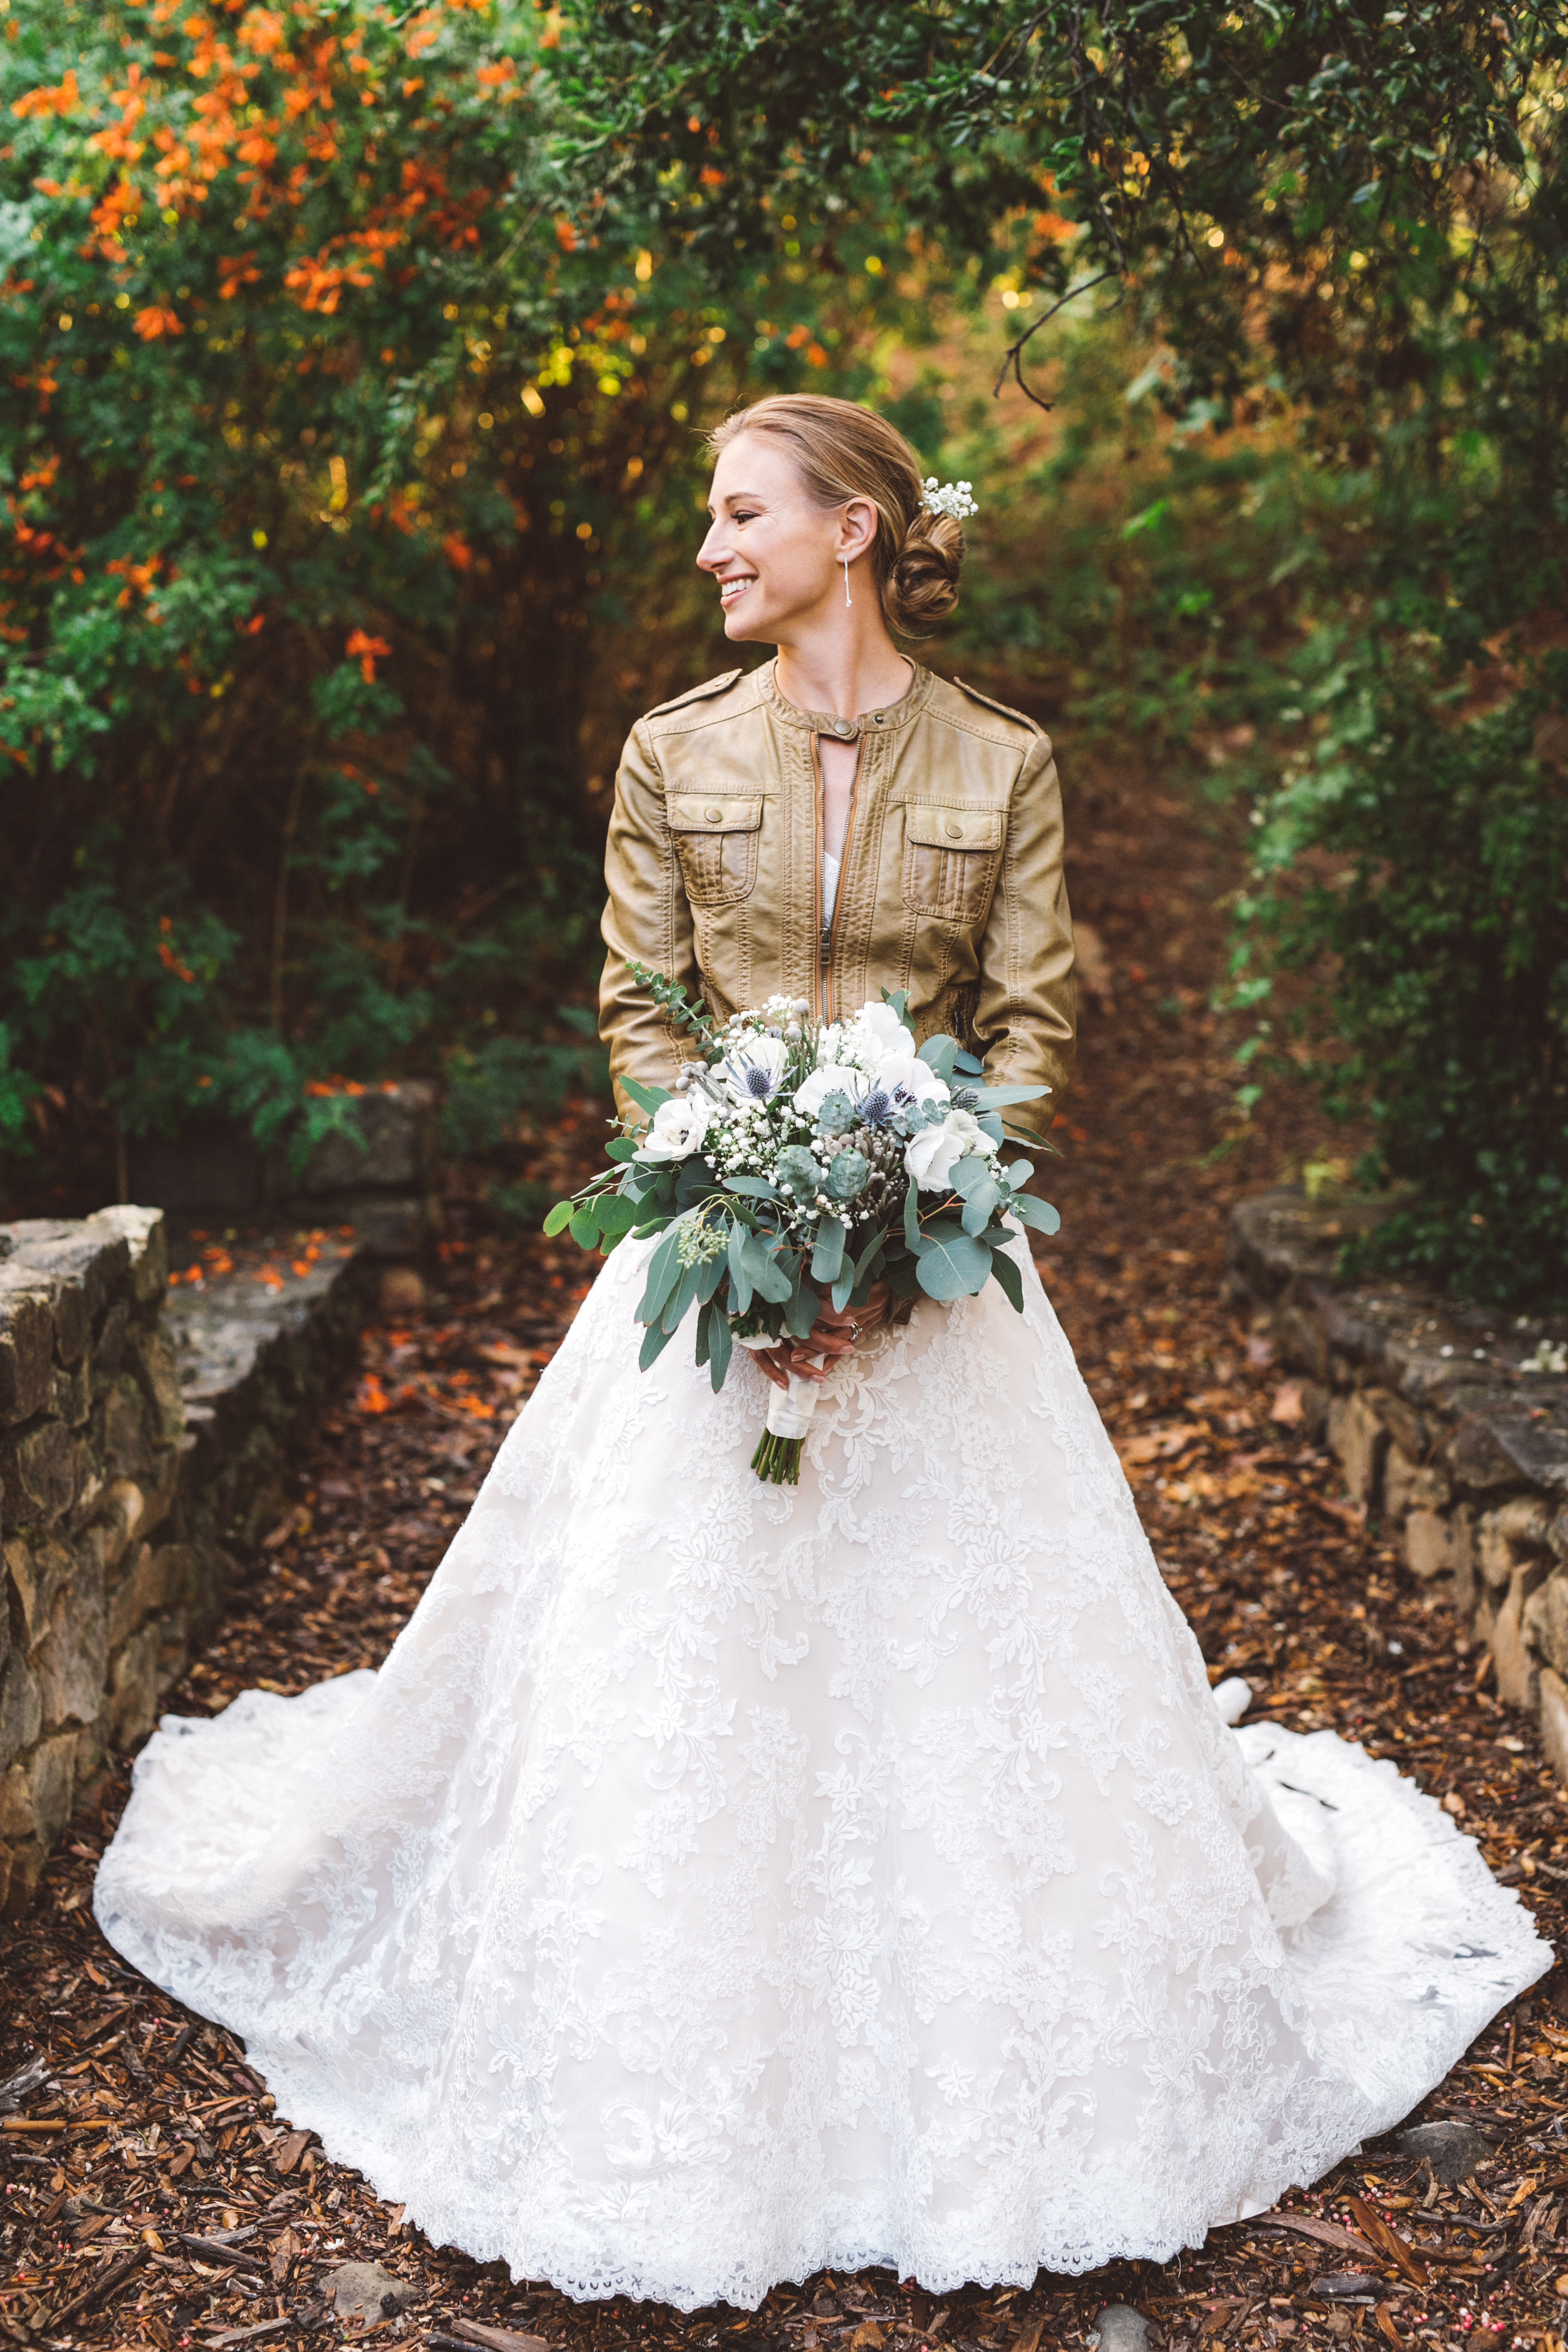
x: 952, y: 884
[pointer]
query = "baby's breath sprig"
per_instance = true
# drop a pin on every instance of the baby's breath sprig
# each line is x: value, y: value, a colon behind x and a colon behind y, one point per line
x: 955, y: 498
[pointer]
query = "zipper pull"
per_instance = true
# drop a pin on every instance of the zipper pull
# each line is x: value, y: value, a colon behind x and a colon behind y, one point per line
x: 826, y: 945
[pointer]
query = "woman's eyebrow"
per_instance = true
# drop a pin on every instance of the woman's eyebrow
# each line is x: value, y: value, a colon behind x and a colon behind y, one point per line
x: 731, y: 496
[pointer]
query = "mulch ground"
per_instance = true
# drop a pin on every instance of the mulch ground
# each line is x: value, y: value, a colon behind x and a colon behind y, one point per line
x: 157, y: 2141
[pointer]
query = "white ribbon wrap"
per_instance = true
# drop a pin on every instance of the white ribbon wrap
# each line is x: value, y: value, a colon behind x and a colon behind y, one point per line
x: 790, y: 1410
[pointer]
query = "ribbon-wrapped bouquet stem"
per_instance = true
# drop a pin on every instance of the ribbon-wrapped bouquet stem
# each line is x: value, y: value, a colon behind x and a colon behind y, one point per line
x: 798, y: 1161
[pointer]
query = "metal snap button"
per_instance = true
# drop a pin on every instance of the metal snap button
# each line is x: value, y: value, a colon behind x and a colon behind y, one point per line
x: 842, y: 727
x: 877, y: 717
x: 712, y: 815
x: 954, y: 831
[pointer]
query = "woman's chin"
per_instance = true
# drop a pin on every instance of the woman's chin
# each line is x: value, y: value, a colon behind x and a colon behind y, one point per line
x: 740, y: 627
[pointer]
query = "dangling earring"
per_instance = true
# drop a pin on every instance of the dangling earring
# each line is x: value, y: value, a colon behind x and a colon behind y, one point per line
x: 847, y: 598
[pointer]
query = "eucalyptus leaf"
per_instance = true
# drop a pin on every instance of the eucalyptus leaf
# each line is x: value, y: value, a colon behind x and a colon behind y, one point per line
x: 739, y: 1276
x: 954, y: 1266
x: 770, y: 1278
x: 720, y: 1345
x: 647, y: 1099
x: 1038, y: 1214
x: 695, y: 1182
x: 620, y: 1146
x: 1004, y: 1271
x: 655, y: 1340
x: 663, y: 1274
x: 682, y: 1296
x: 800, y: 1310
x: 998, y: 1097
x: 938, y: 1054
x: 827, y: 1257
x: 912, y: 1234
x: 797, y: 1171
x: 846, y: 1176
x: 560, y: 1217
x: 864, y: 1265
x: 711, y: 1273
x: 979, y: 1204
x: 617, y: 1215
x: 752, y: 1188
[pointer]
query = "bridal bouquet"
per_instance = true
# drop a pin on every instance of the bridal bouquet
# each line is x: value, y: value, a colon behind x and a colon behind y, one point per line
x: 798, y: 1158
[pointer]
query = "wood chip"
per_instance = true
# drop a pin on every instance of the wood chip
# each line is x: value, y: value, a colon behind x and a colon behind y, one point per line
x: 292, y: 2149
x: 495, y: 2339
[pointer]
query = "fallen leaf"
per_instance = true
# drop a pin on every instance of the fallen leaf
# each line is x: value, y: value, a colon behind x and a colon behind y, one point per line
x: 1157, y: 1444
x: 1288, y: 1406
x: 1388, y: 2238
x: 1327, y: 2233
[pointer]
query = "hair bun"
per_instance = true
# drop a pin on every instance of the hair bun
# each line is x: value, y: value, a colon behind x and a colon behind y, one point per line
x: 921, y: 586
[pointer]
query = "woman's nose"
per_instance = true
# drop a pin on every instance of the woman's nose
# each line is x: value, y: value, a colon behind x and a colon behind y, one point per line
x: 710, y: 554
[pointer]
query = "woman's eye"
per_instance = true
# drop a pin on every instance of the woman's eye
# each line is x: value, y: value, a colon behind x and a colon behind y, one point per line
x: 744, y: 514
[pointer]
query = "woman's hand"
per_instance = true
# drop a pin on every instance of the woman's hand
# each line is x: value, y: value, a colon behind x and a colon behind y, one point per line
x: 834, y: 1333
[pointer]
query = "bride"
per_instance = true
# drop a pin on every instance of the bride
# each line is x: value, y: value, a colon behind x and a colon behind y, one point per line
x: 720, y: 1880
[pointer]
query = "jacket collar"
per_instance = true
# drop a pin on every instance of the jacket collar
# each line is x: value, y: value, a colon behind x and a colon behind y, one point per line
x: 880, y: 721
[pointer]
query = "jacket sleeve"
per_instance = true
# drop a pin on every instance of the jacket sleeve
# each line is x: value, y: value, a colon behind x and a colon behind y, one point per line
x: 1024, y: 1019
x: 646, y: 920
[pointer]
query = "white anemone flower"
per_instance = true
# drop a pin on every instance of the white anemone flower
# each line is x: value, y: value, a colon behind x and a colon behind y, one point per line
x: 678, y: 1130
x: 751, y: 1071
x: 907, y: 1079
x: 883, y: 1027
x: 832, y: 1078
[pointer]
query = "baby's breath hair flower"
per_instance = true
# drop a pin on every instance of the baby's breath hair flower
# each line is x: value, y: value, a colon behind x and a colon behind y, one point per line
x: 953, y: 499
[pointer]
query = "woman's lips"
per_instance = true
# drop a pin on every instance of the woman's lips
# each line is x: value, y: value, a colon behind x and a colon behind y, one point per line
x: 729, y: 590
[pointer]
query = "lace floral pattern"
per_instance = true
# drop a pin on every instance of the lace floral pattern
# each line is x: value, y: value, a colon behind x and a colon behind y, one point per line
x: 720, y: 1880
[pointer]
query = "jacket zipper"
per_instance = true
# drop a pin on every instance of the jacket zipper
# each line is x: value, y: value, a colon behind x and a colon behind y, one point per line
x: 827, y: 933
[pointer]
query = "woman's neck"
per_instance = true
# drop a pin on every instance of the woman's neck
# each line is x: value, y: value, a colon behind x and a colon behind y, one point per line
x: 852, y: 667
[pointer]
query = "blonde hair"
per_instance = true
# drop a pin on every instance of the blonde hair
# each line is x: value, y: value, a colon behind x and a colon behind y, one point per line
x: 843, y: 451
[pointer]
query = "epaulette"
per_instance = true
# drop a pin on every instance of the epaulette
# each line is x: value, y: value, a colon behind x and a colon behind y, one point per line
x: 695, y: 694
x: 991, y: 704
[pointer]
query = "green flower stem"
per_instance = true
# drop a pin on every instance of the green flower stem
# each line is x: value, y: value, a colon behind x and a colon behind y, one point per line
x: 777, y: 1460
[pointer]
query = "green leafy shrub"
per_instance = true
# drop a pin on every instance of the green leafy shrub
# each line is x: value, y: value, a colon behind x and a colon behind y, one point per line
x: 1415, y: 865
x: 341, y: 480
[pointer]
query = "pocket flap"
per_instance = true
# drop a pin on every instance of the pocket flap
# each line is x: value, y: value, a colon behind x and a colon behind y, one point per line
x: 713, y: 813
x: 953, y: 828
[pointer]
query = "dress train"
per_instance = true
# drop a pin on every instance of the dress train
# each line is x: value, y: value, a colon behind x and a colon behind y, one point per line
x: 720, y: 1880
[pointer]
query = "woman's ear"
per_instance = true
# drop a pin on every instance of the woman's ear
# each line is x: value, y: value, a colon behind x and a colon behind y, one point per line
x: 857, y: 531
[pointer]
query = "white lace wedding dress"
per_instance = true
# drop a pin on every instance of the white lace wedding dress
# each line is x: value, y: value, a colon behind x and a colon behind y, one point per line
x: 721, y: 1881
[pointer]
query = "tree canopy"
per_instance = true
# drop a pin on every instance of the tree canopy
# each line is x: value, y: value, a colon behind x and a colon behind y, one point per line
x: 351, y: 356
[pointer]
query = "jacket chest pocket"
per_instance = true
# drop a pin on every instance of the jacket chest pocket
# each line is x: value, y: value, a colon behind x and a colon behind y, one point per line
x: 950, y: 860
x: 715, y: 838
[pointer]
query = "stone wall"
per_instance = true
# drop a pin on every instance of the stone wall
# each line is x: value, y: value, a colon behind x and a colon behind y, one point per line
x: 142, y: 1436
x: 1450, y: 1423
